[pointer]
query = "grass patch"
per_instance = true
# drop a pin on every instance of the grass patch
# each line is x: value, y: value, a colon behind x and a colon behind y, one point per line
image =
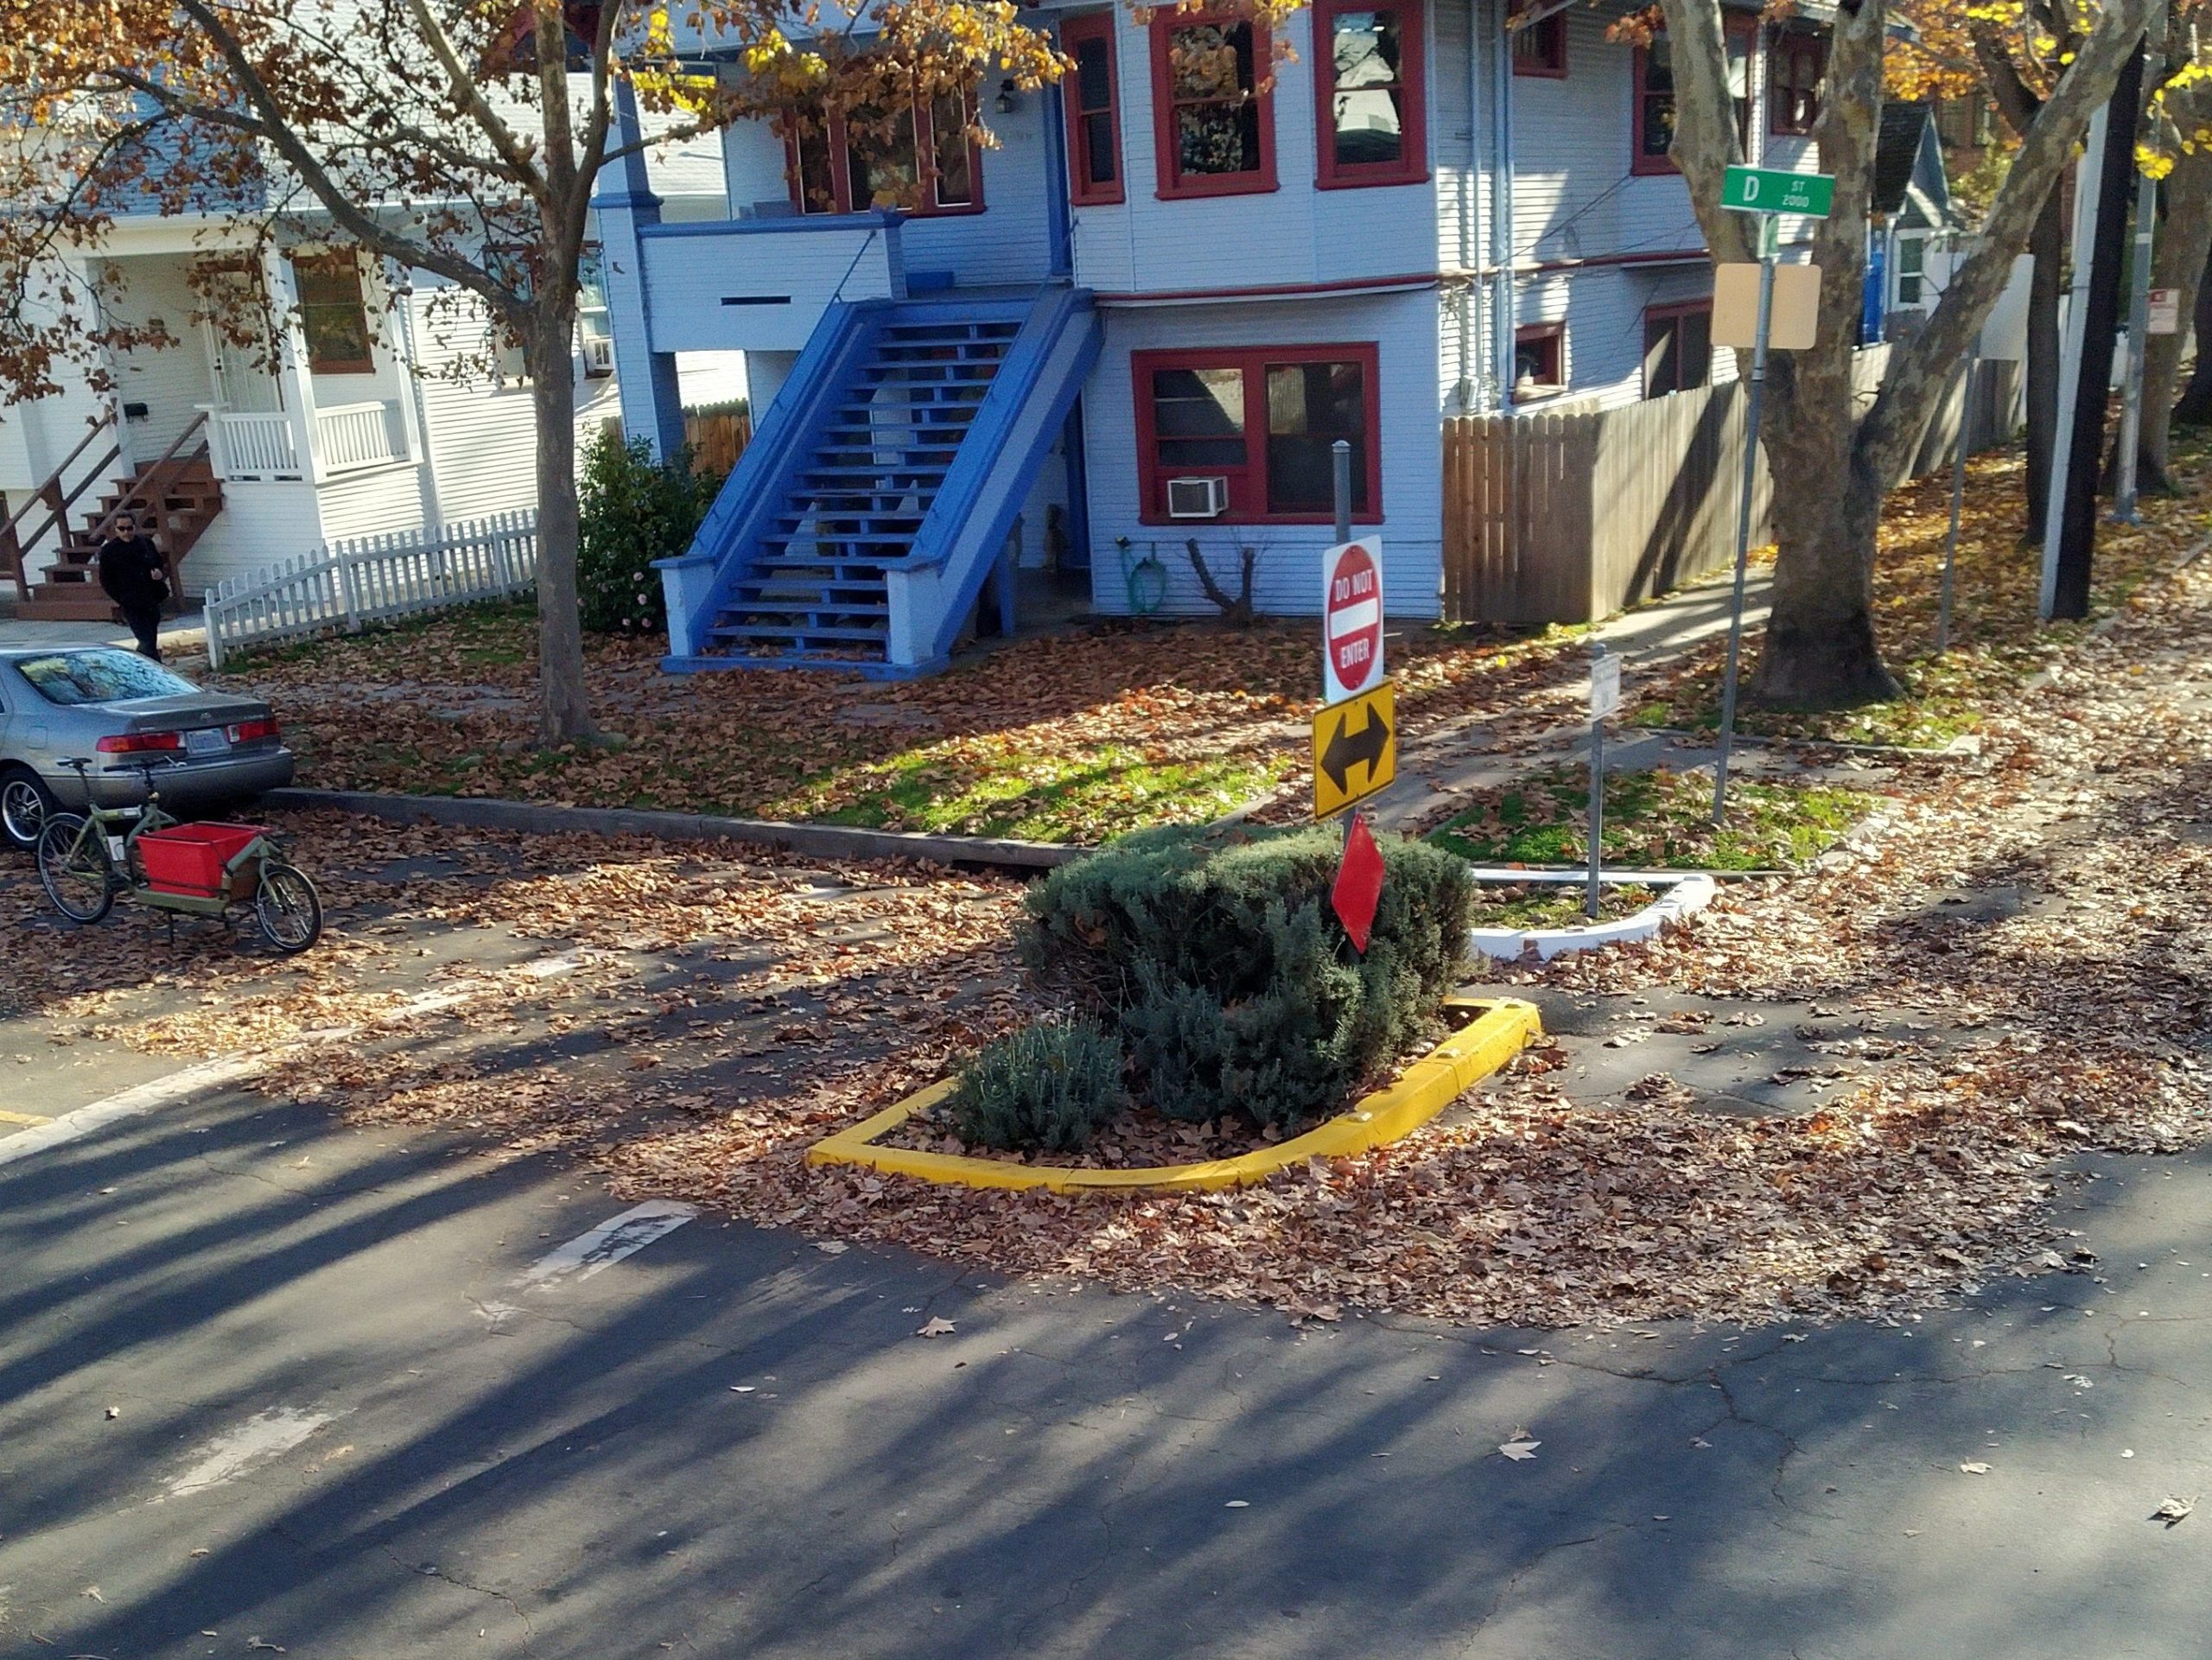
x: 1553, y: 905
x: 970, y: 787
x: 1658, y: 820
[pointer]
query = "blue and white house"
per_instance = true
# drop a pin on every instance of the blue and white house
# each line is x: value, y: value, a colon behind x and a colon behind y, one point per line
x: 1144, y: 316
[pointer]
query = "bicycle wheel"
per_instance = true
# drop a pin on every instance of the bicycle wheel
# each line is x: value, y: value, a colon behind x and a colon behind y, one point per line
x: 287, y: 907
x: 72, y: 867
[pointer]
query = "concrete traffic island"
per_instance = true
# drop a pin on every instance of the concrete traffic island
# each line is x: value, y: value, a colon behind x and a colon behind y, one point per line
x: 1500, y: 1029
x: 1682, y: 893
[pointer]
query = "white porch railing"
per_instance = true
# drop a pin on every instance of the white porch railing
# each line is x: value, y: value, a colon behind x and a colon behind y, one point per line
x: 344, y: 584
x: 251, y: 446
x: 358, y: 434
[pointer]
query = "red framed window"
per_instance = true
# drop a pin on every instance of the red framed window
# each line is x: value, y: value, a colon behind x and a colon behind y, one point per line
x: 1540, y: 49
x: 1796, y: 62
x: 1652, y: 118
x: 1539, y: 359
x: 922, y: 158
x: 1370, y: 112
x: 1212, y: 113
x: 1677, y: 347
x: 1263, y: 420
x: 1094, y: 109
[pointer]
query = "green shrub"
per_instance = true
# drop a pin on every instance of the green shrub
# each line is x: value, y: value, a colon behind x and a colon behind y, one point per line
x: 634, y: 510
x: 1049, y: 1086
x: 1234, y: 983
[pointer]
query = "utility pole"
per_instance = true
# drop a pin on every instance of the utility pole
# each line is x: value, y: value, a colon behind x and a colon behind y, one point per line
x: 2138, y: 298
x: 2071, y: 520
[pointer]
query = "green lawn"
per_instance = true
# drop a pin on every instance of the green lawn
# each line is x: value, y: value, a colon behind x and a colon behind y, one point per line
x: 1659, y: 820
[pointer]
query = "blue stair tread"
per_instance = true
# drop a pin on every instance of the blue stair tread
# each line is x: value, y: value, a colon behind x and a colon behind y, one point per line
x: 791, y: 632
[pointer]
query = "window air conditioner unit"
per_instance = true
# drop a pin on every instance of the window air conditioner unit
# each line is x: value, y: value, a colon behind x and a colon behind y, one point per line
x: 1198, y: 498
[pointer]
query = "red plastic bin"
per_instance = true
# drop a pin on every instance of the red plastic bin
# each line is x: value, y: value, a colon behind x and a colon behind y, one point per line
x: 189, y: 858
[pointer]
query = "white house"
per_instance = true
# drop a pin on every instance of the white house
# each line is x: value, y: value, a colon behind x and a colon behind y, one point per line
x: 353, y: 424
x: 1142, y: 319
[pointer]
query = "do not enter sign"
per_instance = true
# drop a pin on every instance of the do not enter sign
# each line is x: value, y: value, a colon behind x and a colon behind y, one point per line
x: 1352, y: 614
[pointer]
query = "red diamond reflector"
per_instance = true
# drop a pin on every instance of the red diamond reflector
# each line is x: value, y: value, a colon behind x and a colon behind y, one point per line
x: 1359, y: 884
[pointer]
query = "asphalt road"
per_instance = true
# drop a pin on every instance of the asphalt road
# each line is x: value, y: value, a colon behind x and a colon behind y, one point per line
x: 269, y: 1384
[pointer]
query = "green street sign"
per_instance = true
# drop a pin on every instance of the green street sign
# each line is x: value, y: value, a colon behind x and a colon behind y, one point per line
x: 1763, y: 190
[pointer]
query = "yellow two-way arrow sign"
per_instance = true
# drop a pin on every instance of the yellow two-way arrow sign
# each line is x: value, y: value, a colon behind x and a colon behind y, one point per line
x: 1355, y: 749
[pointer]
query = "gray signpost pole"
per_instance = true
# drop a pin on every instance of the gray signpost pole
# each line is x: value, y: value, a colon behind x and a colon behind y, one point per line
x: 1340, y: 488
x: 1767, y: 234
x: 1597, y: 791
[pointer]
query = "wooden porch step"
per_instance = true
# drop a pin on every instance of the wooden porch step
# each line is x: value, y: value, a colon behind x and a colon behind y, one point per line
x: 48, y: 604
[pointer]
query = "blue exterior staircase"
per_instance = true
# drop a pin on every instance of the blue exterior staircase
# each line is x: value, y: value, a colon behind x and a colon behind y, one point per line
x: 879, y: 492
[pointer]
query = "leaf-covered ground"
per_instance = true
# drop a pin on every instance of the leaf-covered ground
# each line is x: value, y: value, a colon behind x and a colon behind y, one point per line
x: 1655, y: 820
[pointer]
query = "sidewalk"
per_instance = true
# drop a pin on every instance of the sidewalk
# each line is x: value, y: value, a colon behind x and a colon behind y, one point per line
x: 183, y: 638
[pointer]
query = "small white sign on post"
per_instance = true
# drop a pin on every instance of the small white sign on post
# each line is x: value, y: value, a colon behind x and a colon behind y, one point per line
x: 2166, y: 312
x: 1351, y: 619
x: 1604, y: 686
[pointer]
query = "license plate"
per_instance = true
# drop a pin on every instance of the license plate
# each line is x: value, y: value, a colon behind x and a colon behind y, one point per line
x: 209, y: 740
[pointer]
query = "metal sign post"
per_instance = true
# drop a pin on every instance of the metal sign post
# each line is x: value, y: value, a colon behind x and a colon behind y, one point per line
x: 1605, y: 698
x: 1355, y: 735
x: 1767, y: 238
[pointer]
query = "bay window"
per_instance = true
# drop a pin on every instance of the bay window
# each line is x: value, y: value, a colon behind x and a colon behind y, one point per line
x: 919, y: 156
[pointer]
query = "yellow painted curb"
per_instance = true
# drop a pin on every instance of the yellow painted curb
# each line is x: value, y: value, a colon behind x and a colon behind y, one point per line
x: 27, y: 1120
x: 1431, y: 1084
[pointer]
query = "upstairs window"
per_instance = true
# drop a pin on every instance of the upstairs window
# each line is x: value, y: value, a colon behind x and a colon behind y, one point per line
x: 1212, y: 113
x: 1094, y: 111
x: 1540, y: 49
x: 1265, y: 421
x: 921, y: 158
x: 1652, y: 121
x: 1677, y: 347
x: 1367, y: 85
x: 1911, y: 276
x: 1796, y: 62
x: 332, y: 315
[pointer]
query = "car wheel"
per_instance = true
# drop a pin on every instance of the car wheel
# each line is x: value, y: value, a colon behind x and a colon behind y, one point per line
x: 24, y: 803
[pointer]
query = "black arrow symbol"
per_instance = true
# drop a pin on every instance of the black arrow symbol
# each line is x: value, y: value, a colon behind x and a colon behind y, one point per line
x: 1346, y: 749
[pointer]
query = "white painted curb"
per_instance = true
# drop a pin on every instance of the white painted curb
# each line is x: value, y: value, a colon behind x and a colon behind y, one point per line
x: 1684, y: 895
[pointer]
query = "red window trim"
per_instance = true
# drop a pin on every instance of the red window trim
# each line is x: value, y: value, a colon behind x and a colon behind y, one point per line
x: 1172, y: 185
x: 1412, y: 165
x: 1098, y: 26
x: 1552, y: 65
x: 1644, y: 166
x: 1793, y: 43
x: 841, y: 172
x: 1253, y: 361
x: 1671, y: 309
x: 1556, y: 333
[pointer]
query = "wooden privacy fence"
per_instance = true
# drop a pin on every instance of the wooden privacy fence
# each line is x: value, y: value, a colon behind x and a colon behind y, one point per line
x: 717, y: 437
x: 344, y: 584
x: 1570, y: 517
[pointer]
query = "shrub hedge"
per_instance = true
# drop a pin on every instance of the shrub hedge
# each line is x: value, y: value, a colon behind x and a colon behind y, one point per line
x: 1050, y: 1086
x: 633, y: 510
x: 1234, y: 985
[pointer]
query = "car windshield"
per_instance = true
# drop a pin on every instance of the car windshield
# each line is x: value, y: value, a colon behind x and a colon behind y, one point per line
x: 101, y: 675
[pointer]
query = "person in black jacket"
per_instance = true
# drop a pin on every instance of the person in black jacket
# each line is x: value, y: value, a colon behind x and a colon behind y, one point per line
x: 133, y: 575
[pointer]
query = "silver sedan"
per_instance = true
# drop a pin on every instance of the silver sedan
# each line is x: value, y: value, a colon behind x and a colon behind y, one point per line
x: 140, y: 725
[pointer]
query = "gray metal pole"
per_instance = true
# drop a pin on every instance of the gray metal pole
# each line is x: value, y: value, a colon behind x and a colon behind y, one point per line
x: 2138, y: 296
x: 1340, y: 460
x: 1958, y: 501
x: 1597, y: 793
x: 1744, y: 519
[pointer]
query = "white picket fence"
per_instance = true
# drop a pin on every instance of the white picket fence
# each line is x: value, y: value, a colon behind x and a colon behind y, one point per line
x: 366, y: 579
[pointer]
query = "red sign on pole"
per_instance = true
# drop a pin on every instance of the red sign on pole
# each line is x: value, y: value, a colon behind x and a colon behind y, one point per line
x: 1359, y: 884
x: 1351, y: 619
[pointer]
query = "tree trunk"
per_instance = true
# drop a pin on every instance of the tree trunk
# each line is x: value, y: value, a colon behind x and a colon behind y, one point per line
x: 564, y: 715
x: 2185, y: 240
x: 2047, y: 242
x: 1820, y: 650
x: 2194, y: 408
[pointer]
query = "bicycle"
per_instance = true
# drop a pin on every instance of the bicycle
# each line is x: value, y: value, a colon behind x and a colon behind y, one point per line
x: 86, y: 859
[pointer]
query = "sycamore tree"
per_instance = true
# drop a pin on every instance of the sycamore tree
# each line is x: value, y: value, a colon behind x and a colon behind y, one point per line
x: 461, y: 138
x: 1832, y: 464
